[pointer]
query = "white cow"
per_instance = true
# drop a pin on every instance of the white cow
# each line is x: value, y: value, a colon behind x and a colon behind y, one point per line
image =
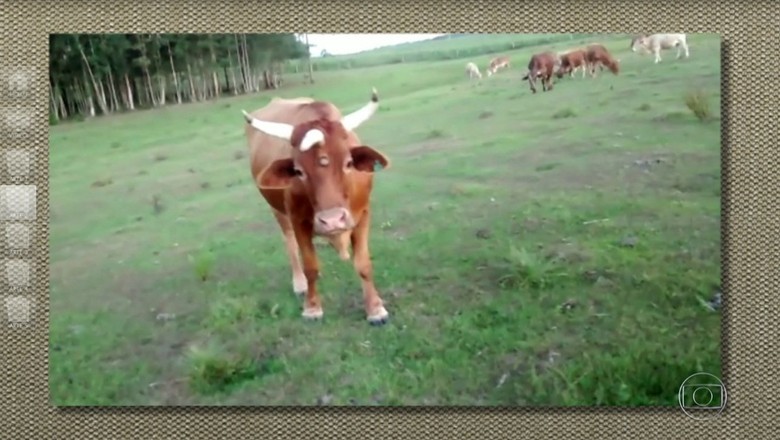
x: 654, y: 43
x: 473, y: 71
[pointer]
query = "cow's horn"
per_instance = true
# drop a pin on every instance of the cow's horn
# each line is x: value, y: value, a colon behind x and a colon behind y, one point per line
x: 312, y: 137
x: 278, y: 129
x: 354, y: 119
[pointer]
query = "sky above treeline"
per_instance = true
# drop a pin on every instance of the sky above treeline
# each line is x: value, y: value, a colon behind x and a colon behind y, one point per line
x: 344, y: 44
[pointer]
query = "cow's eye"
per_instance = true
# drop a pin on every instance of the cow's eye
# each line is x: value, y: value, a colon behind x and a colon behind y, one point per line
x: 349, y: 164
x: 297, y: 172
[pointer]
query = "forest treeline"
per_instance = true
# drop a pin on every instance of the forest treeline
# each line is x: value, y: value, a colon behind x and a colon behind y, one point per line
x: 94, y: 74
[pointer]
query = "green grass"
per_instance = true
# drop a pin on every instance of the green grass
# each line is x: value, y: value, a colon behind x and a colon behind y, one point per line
x: 547, y: 249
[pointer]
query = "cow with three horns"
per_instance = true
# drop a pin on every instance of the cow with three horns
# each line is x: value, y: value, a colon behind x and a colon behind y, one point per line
x: 317, y: 176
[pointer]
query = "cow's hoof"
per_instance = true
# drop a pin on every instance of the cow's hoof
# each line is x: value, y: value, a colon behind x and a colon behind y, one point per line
x: 379, y: 317
x: 313, y: 314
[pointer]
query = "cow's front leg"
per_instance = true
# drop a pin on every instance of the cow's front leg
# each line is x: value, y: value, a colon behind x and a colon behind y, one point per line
x: 657, y: 55
x: 291, y: 244
x: 376, y: 314
x: 312, y: 307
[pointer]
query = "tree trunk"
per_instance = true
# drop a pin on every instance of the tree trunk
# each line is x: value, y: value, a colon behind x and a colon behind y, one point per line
x: 112, y: 90
x: 130, y: 103
x: 251, y: 85
x: 55, y: 114
x: 240, y: 65
x: 89, y: 102
x: 308, y: 57
x: 161, y: 81
x: 213, y: 69
x: 193, y: 97
x: 73, y: 102
x: 150, y: 87
x: 101, y: 98
x: 63, y: 107
x: 123, y: 95
x: 175, y: 76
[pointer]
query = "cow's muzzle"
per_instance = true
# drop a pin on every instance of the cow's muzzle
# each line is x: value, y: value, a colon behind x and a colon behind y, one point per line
x: 333, y: 221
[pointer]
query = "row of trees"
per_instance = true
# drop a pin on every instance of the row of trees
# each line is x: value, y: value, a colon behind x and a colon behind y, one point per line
x: 104, y: 73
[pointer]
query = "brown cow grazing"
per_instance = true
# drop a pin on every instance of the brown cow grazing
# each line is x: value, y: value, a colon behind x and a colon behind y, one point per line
x: 317, y: 177
x: 596, y: 54
x: 571, y: 61
x: 542, y: 65
x: 496, y: 64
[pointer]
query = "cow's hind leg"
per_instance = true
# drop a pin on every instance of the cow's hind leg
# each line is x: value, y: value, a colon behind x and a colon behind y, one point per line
x: 291, y: 244
x: 376, y: 314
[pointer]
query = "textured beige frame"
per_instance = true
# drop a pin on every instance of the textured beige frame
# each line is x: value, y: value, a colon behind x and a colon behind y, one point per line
x: 751, y: 279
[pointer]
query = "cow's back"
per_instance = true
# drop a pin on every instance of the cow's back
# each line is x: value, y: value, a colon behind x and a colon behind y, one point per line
x: 667, y: 41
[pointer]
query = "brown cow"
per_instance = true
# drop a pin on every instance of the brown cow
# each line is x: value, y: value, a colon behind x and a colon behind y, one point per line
x: 496, y: 64
x: 596, y: 54
x: 571, y: 61
x: 317, y: 177
x: 542, y: 65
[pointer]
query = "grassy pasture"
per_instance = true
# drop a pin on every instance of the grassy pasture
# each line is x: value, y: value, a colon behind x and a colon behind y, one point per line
x: 547, y: 249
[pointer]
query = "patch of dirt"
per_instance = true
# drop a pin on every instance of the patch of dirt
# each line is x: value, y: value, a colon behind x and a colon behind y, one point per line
x: 566, y: 252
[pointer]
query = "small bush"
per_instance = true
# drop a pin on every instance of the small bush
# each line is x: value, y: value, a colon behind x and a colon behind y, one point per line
x: 565, y: 113
x: 698, y: 104
x: 202, y: 264
x: 435, y: 134
x: 524, y: 269
x: 213, y: 369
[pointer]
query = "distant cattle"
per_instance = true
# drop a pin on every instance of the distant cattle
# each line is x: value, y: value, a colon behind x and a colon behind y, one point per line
x: 656, y: 42
x: 598, y: 55
x: 496, y: 64
x: 316, y: 175
x: 572, y: 61
x: 542, y: 65
x: 473, y: 71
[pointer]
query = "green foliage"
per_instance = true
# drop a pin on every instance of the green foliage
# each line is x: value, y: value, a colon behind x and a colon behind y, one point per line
x: 698, y: 103
x: 99, y: 67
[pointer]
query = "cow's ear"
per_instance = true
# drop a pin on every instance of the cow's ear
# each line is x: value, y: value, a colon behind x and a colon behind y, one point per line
x: 277, y: 175
x: 368, y: 159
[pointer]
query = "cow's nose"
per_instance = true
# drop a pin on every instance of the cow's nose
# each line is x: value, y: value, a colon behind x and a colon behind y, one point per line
x: 334, y: 219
